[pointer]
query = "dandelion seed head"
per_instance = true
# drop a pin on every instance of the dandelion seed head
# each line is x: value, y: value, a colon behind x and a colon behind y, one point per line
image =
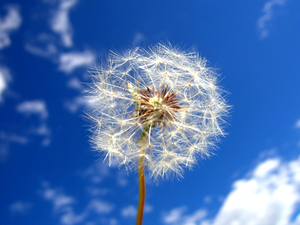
x: 164, y: 94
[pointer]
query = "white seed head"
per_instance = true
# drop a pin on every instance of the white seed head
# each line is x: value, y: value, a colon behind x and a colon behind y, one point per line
x: 168, y: 96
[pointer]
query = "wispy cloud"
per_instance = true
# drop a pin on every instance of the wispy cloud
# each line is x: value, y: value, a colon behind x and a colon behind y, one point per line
x: 11, y: 137
x: 70, y: 61
x: 63, y: 206
x: 297, y: 125
x: 4, y: 79
x: 100, y: 206
x: 268, y: 14
x: 4, y: 151
x: 57, y: 197
x: 96, y: 173
x: 139, y: 37
x: 148, y: 208
x: 60, y: 22
x: 129, y: 211
x: 177, y: 216
x: 36, y: 107
x: 2, y: 84
x: 75, y: 84
x: 9, y: 23
x: 95, y: 191
x: 122, y: 178
x: 47, y: 45
x: 20, y: 207
x: 35, y: 114
x: 6, y: 139
x: 174, y: 215
x: 75, y: 104
x: 42, y: 45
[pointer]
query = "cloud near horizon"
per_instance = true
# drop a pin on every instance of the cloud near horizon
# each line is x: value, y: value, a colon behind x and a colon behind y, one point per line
x: 268, y: 195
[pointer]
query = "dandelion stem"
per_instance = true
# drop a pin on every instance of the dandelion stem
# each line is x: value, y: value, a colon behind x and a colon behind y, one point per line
x: 142, y: 186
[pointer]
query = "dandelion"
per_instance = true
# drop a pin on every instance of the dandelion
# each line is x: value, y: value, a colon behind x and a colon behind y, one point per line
x: 158, y: 109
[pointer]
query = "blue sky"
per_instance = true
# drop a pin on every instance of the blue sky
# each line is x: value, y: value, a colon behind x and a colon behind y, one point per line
x: 50, y: 175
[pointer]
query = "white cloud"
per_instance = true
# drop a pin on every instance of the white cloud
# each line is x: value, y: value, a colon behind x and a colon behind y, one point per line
x: 297, y: 125
x: 268, y: 196
x: 147, y: 208
x: 63, y: 206
x: 176, y: 217
x: 100, y: 171
x: 44, y: 131
x: 36, y: 107
x: 57, y: 197
x: 113, y: 221
x: 268, y: 14
x: 9, y: 23
x: 5, y: 140
x: 70, y: 218
x: 139, y: 37
x: 93, y: 191
x: 20, y: 207
x: 75, y: 84
x: 75, y: 104
x: 264, y: 169
x: 46, y: 44
x: 96, y: 173
x: 43, y: 45
x: 41, y: 130
x: 60, y: 22
x: 100, y: 206
x: 122, y: 178
x: 48, y: 51
x: 129, y: 211
x: 11, y: 137
x: 207, y: 199
x: 4, y: 79
x: 2, y: 84
x: 70, y: 61
x: 194, y: 218
x: 4, y: 151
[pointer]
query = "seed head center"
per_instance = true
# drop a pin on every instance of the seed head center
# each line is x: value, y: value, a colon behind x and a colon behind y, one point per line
x: 156, y: 102
x: 157, y: 107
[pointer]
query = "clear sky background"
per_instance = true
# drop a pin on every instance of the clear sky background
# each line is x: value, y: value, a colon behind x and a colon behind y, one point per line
x: 48, y: 172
